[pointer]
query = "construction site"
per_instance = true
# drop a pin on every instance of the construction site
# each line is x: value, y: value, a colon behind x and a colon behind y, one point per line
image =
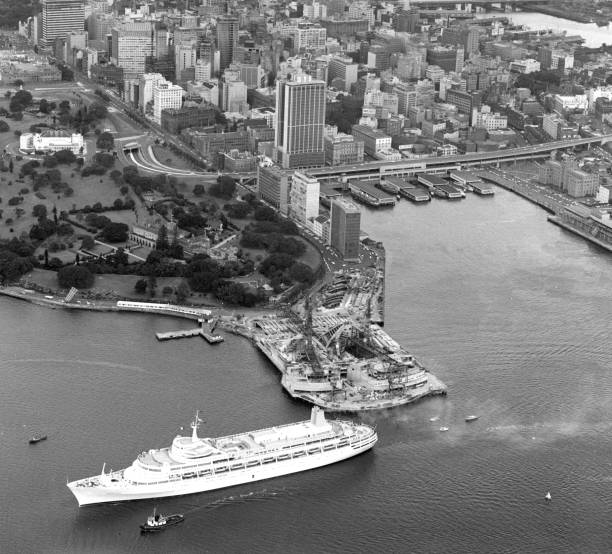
x: 332, y: 351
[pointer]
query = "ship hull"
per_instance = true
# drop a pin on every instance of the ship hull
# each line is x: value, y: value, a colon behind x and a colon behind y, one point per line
x: 100, y: 494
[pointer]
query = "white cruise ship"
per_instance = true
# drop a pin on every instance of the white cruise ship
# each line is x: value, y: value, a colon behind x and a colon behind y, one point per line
x: 194, y: 464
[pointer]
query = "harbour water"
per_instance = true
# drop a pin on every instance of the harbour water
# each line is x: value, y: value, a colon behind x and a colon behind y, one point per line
x: 594, y: 36
x: 511, y: 312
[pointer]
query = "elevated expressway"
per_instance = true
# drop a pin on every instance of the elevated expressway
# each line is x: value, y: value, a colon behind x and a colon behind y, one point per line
x: 438, y: 164
x: 138, y: 151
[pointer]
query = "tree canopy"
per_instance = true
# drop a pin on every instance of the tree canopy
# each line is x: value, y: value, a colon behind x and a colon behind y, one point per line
x: 225, y: 187
x: 15, y: 259
x: 76, y: 276
x: 115, y: 232
x: 344, y: 113
x: 20, y: 100
x: 105, y: 141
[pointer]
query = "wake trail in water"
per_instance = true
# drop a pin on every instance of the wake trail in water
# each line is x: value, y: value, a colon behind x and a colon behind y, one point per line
x: 89, y: 363
x: 253, y: 496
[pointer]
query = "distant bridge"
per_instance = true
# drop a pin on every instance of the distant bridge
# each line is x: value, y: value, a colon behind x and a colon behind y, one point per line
x: 410, y: 166
x: 479, y: 2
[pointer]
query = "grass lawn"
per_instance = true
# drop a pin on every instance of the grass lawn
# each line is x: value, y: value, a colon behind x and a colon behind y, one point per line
x: 87, y: 190
x: 123, y: 285
x: 165, y: 156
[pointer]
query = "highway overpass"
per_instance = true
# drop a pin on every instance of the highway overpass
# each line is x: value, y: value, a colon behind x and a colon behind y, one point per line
x: 432, y: 164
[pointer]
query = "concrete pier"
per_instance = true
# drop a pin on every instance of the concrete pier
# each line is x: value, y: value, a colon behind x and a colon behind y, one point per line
x: 210, y: 338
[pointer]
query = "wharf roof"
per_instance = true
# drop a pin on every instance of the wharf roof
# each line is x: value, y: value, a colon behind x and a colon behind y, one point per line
x: 432, y: 180
x: 448, y: 188
x: 465, y: 175
x: 397, y: 181
x: 370, y: 189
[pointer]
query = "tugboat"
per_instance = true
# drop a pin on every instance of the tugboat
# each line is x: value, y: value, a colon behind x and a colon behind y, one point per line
x: 37, y: 438
x: 158, y: 522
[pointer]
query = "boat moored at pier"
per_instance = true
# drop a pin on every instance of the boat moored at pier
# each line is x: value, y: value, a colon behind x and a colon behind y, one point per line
x: 193, y: 464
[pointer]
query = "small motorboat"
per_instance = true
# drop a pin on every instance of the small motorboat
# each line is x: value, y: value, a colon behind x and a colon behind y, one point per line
x: 37, y: 438
x: 548, y: 497
x: 471, y: 418
x: 434, y: 418
x: 443, y: 429
x: 158, y: 522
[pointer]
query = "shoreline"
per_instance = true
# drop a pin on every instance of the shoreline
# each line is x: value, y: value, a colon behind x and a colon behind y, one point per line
x: 582, y: 234
x: 561, y: 14
x: 435, y: 387
x: 38, y: 299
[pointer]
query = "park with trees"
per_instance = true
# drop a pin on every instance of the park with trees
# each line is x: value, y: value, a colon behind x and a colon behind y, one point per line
x: 57, y: 206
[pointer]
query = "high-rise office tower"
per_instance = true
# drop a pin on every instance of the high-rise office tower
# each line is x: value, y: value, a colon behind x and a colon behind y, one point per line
x: 184, y: 57
x: 227, y: 39
x: 300, y: 112
x: 344, y: 232
x: 59, y: 18
x: 132, y: 43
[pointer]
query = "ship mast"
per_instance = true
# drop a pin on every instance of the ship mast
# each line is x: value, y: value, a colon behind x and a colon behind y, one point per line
x: 194, y: 426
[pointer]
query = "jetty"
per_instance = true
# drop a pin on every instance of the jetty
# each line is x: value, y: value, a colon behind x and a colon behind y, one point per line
x: 198, y: 331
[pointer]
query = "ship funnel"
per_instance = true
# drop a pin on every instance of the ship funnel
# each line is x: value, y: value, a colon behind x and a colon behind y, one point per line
x: 317, y: 416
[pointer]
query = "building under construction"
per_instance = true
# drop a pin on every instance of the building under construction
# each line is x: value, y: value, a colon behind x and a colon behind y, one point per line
x: 332, y: 352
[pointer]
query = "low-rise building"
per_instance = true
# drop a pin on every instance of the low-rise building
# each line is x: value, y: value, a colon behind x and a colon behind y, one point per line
x: 166, y: 96
x: 239, y: 162
x: 485, y: 119
x: 447, y: 150
x: 52, y: 141
x: 557, y: 128
x: 388, y: 155
x: 175, y: 120
x: 342, y: 149
x: 273, y: 185
x: 373, y: 139
x: 29, y: 72
x: 213, y: 145
x: 570, y: 103
x: 144, y: 235
x: 528, y: 65
x: 569, y: 178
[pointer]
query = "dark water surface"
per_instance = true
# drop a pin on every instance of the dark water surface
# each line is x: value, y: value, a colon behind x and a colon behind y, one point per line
x: 510, y: 311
